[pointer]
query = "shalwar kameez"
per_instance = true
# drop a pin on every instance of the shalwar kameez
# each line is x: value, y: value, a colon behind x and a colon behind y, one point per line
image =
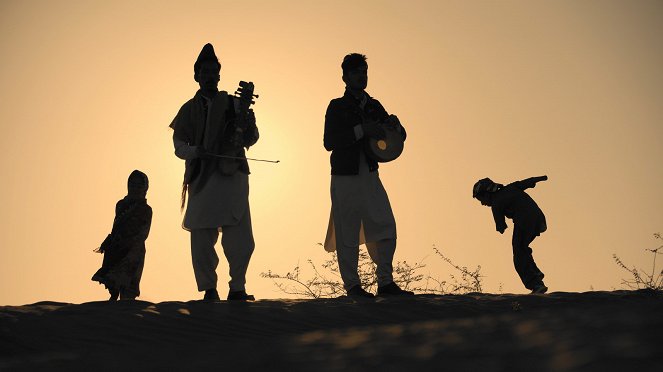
x: 218, y: 189
x: 360, y: 212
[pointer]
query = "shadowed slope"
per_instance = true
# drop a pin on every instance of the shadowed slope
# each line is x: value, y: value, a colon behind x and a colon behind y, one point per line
x: 560, y: 331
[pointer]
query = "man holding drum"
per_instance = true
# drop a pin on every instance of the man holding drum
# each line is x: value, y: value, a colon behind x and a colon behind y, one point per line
x: 361, y: 212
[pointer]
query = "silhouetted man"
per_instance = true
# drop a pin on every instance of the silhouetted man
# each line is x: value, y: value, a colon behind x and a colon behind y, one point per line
x: 218, y: 187
x: 360, y: 207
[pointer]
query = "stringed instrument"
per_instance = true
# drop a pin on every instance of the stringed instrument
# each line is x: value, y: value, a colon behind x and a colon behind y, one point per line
x: 233, y: 145
x: 388, y: 148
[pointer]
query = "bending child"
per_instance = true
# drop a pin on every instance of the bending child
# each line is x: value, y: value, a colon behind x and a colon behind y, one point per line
x: 124, y: 247
x: 528, y: 222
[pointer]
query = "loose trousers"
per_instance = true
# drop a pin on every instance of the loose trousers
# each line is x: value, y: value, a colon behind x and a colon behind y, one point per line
x: 238, y: 245
x: 381, y: 252
x: 523, y: 261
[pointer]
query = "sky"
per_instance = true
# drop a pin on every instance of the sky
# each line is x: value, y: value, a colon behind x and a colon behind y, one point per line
x: 506, y: 90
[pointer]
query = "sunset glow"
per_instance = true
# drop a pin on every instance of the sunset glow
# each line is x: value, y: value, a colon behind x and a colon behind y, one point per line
x: 506, y: 90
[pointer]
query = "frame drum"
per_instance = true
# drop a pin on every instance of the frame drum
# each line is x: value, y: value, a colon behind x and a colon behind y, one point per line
x: 387, y: 149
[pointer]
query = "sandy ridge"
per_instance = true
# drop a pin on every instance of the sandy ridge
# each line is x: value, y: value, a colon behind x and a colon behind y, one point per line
x: 559, y: 331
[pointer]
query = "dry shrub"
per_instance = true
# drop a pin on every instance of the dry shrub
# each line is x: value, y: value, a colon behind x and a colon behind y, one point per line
x: 326, y: 281
x: 641, y: 278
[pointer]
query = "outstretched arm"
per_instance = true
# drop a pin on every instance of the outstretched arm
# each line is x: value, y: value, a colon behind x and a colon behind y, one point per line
x: 529, y: 182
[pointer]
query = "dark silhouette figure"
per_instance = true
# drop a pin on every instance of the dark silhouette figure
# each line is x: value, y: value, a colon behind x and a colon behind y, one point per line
x: 211, y: 132
x: 361, y: 212
x: 528, y: 222
x: 124, y: 247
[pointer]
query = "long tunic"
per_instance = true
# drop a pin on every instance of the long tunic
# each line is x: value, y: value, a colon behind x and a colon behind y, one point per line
x: 220, y: 200
x: 360, y: 211
x: 215, y: 199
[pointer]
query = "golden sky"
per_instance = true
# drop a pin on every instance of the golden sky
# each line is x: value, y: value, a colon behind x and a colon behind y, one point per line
x: 506, y: 90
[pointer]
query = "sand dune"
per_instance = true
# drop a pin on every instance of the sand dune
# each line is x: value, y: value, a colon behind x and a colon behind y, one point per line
x: 597, y: 331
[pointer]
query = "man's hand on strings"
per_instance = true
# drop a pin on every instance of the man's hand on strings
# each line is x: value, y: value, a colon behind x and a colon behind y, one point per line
x: 251, y: 118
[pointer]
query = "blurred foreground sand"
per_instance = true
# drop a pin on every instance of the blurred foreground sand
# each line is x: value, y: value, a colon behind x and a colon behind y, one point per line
x: 592, y: 331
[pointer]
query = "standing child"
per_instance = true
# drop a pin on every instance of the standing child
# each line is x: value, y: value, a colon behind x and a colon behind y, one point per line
x: 528, y: 222
x: 124, y: 248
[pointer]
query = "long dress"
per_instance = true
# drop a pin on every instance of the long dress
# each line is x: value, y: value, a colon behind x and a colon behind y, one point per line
x: 124, y: 248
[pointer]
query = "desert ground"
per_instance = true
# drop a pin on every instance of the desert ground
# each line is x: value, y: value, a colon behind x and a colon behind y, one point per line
x: 591, y: 331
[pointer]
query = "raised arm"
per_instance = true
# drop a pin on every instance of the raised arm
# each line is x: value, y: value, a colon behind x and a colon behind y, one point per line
x: 529, y: 182
x: 251, y: 134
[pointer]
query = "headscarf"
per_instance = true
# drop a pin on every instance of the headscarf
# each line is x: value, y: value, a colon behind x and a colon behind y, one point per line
x: 138, y: 179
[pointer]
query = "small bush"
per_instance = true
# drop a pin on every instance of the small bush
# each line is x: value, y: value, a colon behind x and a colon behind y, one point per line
x: 467, y: 282
x: 326, y: 281
x: 642, y: 279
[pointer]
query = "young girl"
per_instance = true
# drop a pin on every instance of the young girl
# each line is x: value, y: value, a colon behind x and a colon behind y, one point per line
x: 528, y: 222
x: 124, y: 247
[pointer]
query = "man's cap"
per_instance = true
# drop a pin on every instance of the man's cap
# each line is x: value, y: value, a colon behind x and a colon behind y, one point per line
x: 206, y: 54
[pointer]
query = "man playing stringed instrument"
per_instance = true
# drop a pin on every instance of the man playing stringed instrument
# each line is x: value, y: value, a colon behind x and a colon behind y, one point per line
x: 210, y: 133
x: 361, y: 212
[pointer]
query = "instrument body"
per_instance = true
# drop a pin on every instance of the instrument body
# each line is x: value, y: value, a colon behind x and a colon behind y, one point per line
x: 388, y: 148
